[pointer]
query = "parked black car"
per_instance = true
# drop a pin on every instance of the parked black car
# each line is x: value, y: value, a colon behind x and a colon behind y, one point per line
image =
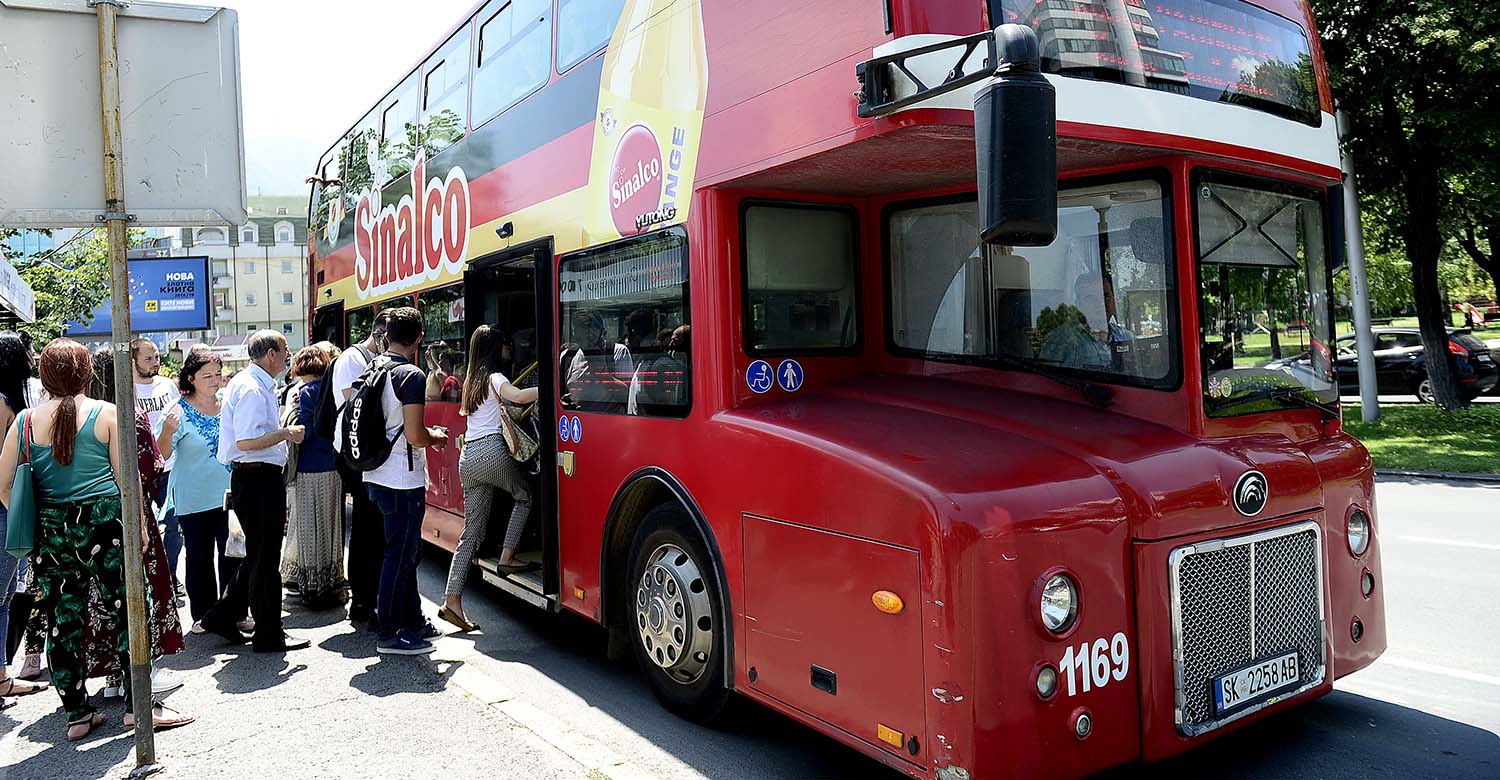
x: 1401, y: 363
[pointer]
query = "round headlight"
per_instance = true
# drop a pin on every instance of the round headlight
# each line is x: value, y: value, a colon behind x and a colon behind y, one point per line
x: 1046, y: 682
x: 1359, y: 532
x: 1059, y: 603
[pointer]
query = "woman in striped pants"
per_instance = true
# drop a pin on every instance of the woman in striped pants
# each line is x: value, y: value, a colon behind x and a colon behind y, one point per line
x: 486, y: 465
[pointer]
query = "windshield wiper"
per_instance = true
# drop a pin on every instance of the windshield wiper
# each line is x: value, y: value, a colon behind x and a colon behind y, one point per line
x: 1096, y: 394
x: 1287, y: 393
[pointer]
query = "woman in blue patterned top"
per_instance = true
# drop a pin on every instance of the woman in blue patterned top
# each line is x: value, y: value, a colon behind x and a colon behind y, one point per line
x: 190, y: 428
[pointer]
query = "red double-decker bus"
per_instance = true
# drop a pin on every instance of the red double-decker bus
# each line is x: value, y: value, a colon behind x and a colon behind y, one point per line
x: 972, y: 508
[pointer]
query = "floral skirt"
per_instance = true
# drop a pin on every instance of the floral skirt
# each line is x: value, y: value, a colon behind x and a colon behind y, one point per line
x: 314, y: 553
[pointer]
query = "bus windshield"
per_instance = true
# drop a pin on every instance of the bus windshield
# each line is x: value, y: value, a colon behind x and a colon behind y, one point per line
x: 1094, y: 303
x: 1222, y: 50
x: 1263, y: 299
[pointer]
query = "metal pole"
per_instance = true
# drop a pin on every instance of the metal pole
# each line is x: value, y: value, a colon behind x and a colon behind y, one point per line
x: 119, y: 288
x: 1359, y: 287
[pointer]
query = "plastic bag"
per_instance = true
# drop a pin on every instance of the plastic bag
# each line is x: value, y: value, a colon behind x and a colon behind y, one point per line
x: 235, y: 547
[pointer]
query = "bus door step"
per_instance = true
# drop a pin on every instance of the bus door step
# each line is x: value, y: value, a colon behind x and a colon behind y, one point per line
x: 526, y: 586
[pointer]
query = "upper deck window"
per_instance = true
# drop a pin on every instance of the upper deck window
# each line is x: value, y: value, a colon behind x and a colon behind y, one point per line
x: 1222, y: 50
x: 514, y: 54
x: 583, y: 27
x: 445, y: 94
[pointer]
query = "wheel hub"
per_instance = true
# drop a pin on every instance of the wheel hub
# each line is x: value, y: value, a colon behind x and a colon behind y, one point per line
x: 674, y: 618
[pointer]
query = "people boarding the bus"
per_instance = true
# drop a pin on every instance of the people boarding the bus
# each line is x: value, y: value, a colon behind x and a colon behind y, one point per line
x: 486, y: 464
x: 398, y: 485
x: 162, y: 621
x: 595, y: 370
x: 663, y: 380
x: 154, y: 394
x: 314, y: 556
x: 253, y: 443
x: 15, y: 371
x: 73, y: 445
x: 366, y: 528
x: 190, y: 433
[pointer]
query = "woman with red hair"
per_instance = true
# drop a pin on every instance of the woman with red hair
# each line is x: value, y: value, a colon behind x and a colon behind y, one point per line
x: 73, y: 445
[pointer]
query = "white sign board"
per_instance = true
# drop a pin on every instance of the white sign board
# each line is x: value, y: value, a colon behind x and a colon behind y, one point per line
x: 15, y: 293
x: 180, y: 114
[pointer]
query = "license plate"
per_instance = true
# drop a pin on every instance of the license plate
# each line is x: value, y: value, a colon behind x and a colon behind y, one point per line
x: 1255, y: 682
x: 1483, y: 358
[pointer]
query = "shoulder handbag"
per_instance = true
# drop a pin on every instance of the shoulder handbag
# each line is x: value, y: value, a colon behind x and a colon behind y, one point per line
x: 20, y: 529
x: 521, y: 445
x: 292, y: 417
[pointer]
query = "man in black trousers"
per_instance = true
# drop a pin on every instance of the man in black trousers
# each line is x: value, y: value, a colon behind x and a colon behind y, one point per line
x: 367, y: 526
x: 252, y: 442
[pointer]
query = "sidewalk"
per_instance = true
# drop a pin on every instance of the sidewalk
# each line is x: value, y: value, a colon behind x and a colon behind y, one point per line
x: 334, y: 710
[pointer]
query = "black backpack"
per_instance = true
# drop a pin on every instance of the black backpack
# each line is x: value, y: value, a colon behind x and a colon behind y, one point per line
x: 363, y: 443
x: 325, y: 412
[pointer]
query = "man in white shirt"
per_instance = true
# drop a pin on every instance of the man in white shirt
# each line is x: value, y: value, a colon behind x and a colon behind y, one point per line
x: 399, y: 488
x: 155, y: 394
x: 252, y: 443
x: 367, y: 529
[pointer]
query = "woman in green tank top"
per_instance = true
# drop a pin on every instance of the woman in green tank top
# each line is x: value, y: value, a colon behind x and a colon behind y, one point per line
x: 74, y: 450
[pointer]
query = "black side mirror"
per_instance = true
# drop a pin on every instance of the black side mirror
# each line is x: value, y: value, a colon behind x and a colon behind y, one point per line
x: 1015, y: 134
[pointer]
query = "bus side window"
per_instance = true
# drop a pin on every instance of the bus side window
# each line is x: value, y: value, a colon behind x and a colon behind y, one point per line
x: 443, y: 347
x: 445, y: 94
x: 624, y: 328
x: 800, y: 279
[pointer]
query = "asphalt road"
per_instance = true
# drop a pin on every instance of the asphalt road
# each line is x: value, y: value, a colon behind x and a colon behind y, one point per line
x: 1429, y: 708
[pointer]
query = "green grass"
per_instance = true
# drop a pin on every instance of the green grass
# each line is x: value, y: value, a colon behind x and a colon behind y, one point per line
x: 1423, y: 438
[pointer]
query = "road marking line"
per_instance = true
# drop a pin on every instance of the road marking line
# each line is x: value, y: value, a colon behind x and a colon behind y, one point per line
x: 1450, y: 542
x: 1445, y: 671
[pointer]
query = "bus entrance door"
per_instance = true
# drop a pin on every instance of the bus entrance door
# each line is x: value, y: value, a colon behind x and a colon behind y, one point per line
x: 513, y: 291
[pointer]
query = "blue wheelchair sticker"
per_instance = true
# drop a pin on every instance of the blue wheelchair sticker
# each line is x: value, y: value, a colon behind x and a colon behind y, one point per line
x: 563, y: 431
x: 758, y: 376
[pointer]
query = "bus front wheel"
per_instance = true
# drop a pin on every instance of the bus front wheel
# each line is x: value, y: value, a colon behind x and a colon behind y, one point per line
x: 675, y: 620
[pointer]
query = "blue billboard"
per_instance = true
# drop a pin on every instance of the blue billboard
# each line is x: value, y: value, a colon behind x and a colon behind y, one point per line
x: 166, y: 294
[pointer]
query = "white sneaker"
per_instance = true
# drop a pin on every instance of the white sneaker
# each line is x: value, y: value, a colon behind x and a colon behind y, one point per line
x: 246, y: 626
x: 164, y: 681
x: 197, y: 628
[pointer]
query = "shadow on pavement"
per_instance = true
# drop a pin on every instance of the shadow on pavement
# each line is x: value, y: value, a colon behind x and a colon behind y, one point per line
x: 569, y: 650
x: 1342, y: 735
x: 94, y: 756
x: 392, y: 675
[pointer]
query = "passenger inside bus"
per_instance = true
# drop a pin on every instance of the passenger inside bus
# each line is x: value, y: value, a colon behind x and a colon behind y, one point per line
x: 594, y: 370
x: 662, y: 381
x: 1089, y: 334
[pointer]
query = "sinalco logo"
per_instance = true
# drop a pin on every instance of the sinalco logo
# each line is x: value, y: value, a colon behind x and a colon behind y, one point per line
x: 1251, y: 493
x: 414, y: 240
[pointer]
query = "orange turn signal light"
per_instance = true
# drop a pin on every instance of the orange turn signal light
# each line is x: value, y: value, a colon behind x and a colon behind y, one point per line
x: 890, y: 736
x: 887, y: 602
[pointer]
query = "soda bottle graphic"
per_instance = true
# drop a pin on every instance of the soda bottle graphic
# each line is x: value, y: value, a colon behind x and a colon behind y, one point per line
x: 649, y: 120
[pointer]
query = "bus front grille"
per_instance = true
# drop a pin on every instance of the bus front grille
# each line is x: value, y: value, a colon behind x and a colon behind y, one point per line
x: 1239, y: 601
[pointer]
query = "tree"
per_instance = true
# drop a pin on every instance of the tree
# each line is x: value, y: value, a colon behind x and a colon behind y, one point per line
x: 1415, y: 77
x: 69, y: 284
x: 1476, y: 223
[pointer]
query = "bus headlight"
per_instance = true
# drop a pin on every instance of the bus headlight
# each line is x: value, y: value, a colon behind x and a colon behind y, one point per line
x: 1359, y: 532
x: 1059, y: 605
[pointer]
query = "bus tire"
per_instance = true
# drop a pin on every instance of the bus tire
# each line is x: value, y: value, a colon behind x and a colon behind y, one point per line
x: 675, y: 623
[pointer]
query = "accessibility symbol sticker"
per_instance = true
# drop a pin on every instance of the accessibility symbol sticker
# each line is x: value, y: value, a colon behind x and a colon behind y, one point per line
x: 564, y: 432
x: 758, y: 376
x: 577, y: 429
x: 789, y: 375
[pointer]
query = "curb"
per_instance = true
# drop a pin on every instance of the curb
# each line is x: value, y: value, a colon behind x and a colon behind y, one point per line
x: 1448, y: 475
x: 596, y: 759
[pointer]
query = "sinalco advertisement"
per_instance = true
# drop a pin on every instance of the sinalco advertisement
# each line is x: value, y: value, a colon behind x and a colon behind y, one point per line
x: 651, y: 100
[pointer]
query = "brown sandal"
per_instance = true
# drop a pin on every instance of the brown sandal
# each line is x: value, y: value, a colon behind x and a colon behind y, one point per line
x: 463, y: 623
x: 88, y: 724
x: 31, y: 687
x: 162, y: 718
